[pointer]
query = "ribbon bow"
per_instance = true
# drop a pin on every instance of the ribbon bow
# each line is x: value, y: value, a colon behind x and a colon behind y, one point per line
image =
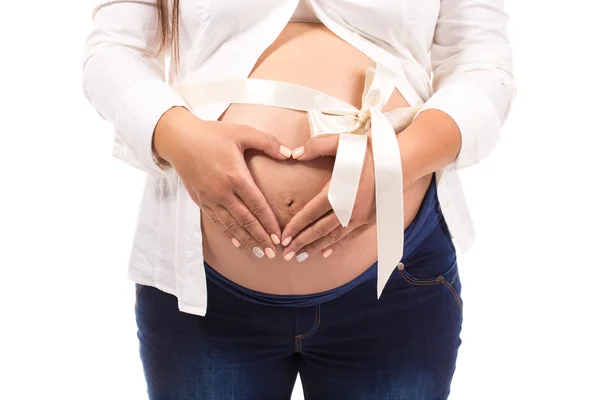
x: 352, y: 128
x: 329, y: 115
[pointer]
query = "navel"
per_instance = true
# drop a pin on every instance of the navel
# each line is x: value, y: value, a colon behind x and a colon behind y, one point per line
x: 288, y: 201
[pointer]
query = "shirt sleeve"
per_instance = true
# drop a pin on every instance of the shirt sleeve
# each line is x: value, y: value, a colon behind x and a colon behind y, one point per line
x: 472, y: 74
x: 125, y: 81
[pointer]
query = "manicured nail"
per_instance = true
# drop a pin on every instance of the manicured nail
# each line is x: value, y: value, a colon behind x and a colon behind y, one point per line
x: 289, y: 255
x: 284, y: 151
x: 327, y: 253
x: 302, y: 256
x: 258, y: 252
x: 274, y: 238
x: 286, y: 241
x: 270, y: 252
x: 236, y: 242
x: 298, y: 152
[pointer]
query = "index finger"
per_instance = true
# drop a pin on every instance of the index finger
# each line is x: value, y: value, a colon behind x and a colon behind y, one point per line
x: 310, y: 213
x: 251, y: 195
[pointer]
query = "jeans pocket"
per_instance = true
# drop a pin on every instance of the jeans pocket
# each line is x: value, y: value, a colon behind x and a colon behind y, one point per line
x: 449, y: 279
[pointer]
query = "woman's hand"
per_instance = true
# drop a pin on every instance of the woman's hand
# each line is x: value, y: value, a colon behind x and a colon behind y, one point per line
x: 209, y: 159
x: 315, y: 227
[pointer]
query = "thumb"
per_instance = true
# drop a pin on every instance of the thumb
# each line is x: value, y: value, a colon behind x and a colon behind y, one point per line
x: 317, y: 147
x: 265, y: 142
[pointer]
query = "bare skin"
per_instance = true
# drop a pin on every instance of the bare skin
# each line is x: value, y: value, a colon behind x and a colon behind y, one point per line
x: 309, y: 55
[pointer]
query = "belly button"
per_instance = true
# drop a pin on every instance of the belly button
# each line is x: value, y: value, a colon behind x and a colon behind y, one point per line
x: 288, y: 202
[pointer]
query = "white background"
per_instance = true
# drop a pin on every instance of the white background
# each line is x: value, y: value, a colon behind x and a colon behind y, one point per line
x: 68, y: 210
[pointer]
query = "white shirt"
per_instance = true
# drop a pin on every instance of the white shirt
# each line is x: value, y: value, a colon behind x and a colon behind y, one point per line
x: 454, y: 52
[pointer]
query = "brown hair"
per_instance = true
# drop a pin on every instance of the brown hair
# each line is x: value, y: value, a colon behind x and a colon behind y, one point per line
x: 168, y: 28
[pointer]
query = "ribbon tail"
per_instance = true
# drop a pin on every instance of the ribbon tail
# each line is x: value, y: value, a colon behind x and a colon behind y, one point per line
x: 389, y: 197
x: 346, y: 173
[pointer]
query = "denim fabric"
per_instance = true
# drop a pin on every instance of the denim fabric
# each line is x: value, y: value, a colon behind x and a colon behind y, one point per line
x: 402, y: 346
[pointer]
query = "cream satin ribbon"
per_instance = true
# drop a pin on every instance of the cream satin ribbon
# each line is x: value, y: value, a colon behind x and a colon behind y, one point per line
x: 329, y: 115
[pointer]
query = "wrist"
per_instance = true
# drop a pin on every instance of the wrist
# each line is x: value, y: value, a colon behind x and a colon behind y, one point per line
x: 429, y: 143
x: 168, y: 132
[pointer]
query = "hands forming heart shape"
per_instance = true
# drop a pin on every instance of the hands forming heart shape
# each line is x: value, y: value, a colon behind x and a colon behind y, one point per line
x: 208, y: 157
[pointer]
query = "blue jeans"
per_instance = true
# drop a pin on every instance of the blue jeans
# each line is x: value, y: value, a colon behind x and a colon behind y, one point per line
x: 402, y: 346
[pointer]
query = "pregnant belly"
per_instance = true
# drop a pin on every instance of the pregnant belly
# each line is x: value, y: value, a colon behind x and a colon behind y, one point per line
x: 309, y: 55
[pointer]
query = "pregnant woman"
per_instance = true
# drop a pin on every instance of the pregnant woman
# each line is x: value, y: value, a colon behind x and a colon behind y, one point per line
x: 302, y: 199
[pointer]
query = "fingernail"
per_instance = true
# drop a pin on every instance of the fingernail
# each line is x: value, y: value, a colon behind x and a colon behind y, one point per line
x: 327, y: 253
x: 286, y: 241
x: 270, y: 252
x: 236, y: 242
x: 298, y: 152
x: 274, y: 238
x: 302, y: 256
x: 289, y: 255
x: 258, y: 252
x: 284, y: 151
